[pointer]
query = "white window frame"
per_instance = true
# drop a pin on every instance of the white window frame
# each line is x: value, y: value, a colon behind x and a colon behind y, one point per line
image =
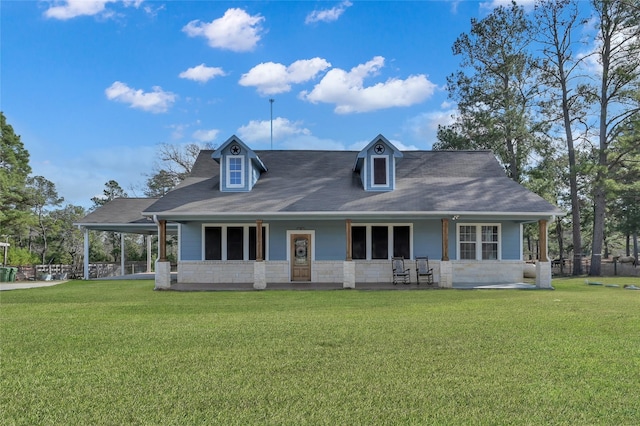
x: 242, y: 171
x: 479, y: 241
x: 372, y: 176
x: 245, y: 238
x: 390, y: 227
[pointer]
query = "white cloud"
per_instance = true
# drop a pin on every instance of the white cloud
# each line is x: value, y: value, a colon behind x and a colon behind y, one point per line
x: 202, y: 73
x: 425, y: 126
x: 327, y: 15
x: 347, y: 90
x: 205, y: 135
x: 260, y: 131
x: 270, y: 78
x: 236, y: 30
x: 155, y: 101
x: 69, y: 9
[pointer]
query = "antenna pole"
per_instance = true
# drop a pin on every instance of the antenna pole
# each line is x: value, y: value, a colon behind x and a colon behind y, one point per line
x: 271, y: 104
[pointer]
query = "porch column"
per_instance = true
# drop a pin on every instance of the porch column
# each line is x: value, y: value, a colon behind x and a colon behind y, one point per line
x: 445, y: 239
x: 122, y: 271
x: 149, y: 237
x: 446, y: 271
x: 163, y: 268
x: 259, y: 254
x: 86, y: 254
x: 543, y: 265
x: 259, y: 266
x: 162, y: 240
x: 348, y: 266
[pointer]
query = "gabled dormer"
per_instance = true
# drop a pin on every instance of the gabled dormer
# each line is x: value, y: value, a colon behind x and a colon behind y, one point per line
x: 376, y: 164
x: 240, y: 167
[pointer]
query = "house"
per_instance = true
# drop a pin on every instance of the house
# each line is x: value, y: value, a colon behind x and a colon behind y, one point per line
x: 261, y: 217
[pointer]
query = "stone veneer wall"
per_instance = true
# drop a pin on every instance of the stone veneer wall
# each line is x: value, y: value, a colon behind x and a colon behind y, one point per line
x: 367, y: 271
x: 487, y: 271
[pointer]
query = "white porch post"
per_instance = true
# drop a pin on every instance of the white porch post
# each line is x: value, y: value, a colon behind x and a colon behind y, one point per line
x: 543, y: 265
x: 148, y: 237
x: 86, y: 254
x: 122, y: 271
x: 348, y: 266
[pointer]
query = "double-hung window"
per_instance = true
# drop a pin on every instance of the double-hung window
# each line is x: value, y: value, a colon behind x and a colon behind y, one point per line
x: 232, y: 242
x: 380, y: 241
x: 235, y: 171
x: 479, y: 242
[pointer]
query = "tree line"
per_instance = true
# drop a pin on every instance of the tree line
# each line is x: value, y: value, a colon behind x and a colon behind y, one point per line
x: 37, y: 223
x: 554, y: 94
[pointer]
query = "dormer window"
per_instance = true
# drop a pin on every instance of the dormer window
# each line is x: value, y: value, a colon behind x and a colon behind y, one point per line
x: 376, y: 165
x: 380, y: 170
x: 235, y: 171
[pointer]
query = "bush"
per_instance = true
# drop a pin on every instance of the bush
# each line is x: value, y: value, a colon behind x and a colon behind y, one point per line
x: 20, y: 257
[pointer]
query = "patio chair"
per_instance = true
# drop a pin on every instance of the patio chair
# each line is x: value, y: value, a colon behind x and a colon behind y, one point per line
x: 423, y: 270
x: 400, y: 273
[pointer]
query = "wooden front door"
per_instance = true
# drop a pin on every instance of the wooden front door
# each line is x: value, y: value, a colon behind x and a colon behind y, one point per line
x: 300, y: 257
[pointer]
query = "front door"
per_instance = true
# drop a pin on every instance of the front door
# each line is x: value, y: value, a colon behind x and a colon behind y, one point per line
x: 300, y: 257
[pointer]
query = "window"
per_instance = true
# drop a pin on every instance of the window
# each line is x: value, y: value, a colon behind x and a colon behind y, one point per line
x: 380, y: 171
x: 359, y: 242
x: 213, y: 243
x: 479, y: 242
x: 235, y: 171
x: 232, y: 242
x: 380, y: 241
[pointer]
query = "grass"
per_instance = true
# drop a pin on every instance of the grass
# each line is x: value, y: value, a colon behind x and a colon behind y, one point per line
x: 116, y: 352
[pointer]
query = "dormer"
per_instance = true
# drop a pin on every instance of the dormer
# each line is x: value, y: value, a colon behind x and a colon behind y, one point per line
x: 376, y: 164
x: 240, y: 167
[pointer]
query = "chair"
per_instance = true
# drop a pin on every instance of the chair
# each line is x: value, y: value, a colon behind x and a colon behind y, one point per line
x: 423, y: 270
x: 400, y: 273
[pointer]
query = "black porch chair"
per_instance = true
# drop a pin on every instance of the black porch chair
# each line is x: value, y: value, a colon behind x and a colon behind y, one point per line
x: 423, y: 270
x: 400, y: 273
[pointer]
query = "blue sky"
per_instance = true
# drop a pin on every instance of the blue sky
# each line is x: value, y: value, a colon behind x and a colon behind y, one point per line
x: 93, y: 87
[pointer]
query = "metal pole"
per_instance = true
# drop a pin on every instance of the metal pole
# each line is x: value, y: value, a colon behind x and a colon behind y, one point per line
x: 271, y: 105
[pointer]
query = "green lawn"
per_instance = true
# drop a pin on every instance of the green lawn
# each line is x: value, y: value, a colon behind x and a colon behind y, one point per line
x: 116, y: 352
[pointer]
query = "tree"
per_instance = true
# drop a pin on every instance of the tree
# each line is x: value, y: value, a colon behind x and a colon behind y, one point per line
x: 625, y: 183
x: 67, y: 240
x: 42, y: 194
x: 111, y: 191
x: 618, y: 51
x: 496, y: 91
x: 14, y: 170
x: 160, y: 183
x: 560, y: 72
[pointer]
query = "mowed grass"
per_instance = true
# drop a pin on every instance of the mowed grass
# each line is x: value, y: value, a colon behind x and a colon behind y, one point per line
x: 116, y: 352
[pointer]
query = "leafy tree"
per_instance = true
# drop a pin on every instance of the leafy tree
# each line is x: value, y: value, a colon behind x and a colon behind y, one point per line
x: 625, y: 183
x: 66, y: 239
x: 564, y: 101
x: 618, y: 50
x: 160, y: 183
x: 43, y: 194
x: 14, y: 170
x: 495, y: 91
x: 112, y: 190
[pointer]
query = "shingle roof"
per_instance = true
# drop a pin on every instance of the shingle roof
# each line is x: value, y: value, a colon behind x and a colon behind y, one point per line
x: 119, y: 214
x: 323, y: 182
